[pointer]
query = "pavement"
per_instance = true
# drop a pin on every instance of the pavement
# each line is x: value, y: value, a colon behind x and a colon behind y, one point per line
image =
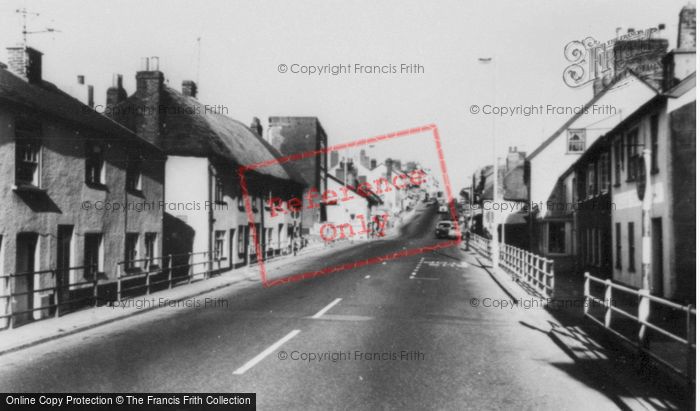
x: 429, y: 331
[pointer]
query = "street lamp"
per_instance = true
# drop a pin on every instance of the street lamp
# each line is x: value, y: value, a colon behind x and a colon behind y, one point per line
x: 494, y: 231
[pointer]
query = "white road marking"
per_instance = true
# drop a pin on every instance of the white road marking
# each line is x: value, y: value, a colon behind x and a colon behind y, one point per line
x: 250, y: 364
x: 366, y: 277
x: 415, y: 270
x: 326, y: 308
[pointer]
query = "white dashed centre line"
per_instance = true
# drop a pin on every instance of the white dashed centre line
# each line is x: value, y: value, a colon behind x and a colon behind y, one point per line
x: 326, y: 308
x: 250, y: 364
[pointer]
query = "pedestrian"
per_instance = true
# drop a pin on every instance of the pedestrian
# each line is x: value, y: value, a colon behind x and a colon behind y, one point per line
x: 465, y: 235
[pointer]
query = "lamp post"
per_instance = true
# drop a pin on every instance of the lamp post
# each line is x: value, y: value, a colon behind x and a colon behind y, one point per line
x: 494, y: 231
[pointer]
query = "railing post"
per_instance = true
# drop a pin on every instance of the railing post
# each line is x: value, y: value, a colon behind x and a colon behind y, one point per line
x: 586, y: 292
x: 170, y: 271
x: 608, y: 307
x: 690, y: 338
x: 643, y: 316
x: 552, y: 277
x: 148, y: 279
x: 11, y: 301
x: 119, y: 282
x: 94, y: 285
x: 190, y: 268
x: 56, y: 297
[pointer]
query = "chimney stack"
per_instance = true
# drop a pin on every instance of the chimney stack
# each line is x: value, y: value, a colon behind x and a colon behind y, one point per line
x: 149, y: 86
x: 189, y: 89
x: 83, y: 92
x: 26, y: 63
x: 149, y: 80
x: 116, y: 93
x: 686, y: 27
x: 680, y: 62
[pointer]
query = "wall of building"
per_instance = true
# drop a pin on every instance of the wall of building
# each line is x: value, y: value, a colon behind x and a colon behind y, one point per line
x: 186, y: 228
x: 628, y: 208
x: 68, y: 200
x: 294, y: 135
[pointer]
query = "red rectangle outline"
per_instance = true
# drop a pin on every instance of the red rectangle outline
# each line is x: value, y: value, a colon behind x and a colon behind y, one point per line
x: 374, y: 260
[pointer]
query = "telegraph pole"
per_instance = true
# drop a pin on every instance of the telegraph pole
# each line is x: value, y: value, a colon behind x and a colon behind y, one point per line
x: 646, y: 220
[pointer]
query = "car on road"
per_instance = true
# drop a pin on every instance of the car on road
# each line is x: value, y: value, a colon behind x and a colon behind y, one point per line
x: 446, y: 229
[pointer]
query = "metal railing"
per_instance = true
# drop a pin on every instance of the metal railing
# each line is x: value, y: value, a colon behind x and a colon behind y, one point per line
x: 173, y: 270
x: 20, y: 298
x: 480, y: 244
x: 55, y: 285
x: 640, y: 334
x: 530, y: 268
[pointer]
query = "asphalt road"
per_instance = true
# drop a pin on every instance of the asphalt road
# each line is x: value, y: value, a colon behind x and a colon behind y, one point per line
x: 417, y: 332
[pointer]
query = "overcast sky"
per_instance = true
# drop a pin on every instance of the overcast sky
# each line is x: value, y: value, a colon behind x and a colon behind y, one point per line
x: 244, y: 42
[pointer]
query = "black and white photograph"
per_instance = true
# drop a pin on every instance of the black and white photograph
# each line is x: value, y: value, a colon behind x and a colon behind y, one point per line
x: 348, y: 205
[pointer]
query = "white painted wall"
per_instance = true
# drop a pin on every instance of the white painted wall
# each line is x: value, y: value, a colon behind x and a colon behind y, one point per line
x: 187, y: 182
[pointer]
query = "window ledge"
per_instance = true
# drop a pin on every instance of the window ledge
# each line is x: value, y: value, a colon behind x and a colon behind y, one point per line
x: 96, y: 186
x: 27, y: 188
x: 135, y: 192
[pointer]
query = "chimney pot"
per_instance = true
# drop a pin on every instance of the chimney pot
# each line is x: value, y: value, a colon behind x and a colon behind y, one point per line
x: 189, y: 88
x: 91, y: 96
x: 256, y: 127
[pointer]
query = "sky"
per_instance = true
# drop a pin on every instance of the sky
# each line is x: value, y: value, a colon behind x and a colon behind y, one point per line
x: 243, y: 43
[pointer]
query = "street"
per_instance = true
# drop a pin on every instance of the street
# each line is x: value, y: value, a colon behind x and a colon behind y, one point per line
x: 455, y: 355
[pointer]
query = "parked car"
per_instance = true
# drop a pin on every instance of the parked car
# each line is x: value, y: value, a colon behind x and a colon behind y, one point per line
x: 446, y: 229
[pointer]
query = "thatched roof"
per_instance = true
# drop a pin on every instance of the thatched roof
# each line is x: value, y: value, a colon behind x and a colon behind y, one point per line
x: 188, y: 128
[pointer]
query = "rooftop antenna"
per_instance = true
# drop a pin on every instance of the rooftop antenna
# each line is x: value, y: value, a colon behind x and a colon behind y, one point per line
x: 199, y: 55
x: 25, y: 13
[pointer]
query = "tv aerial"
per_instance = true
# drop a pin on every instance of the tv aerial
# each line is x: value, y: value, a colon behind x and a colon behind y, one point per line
x: 25, y: 14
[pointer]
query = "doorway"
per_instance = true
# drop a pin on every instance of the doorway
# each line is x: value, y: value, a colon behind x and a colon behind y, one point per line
x: 64, y: 251
x: 25, y: 265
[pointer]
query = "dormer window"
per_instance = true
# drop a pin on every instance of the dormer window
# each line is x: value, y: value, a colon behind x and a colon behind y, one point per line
x: 94, y: 164
x: 27, y: 154
x: 576, y: 142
